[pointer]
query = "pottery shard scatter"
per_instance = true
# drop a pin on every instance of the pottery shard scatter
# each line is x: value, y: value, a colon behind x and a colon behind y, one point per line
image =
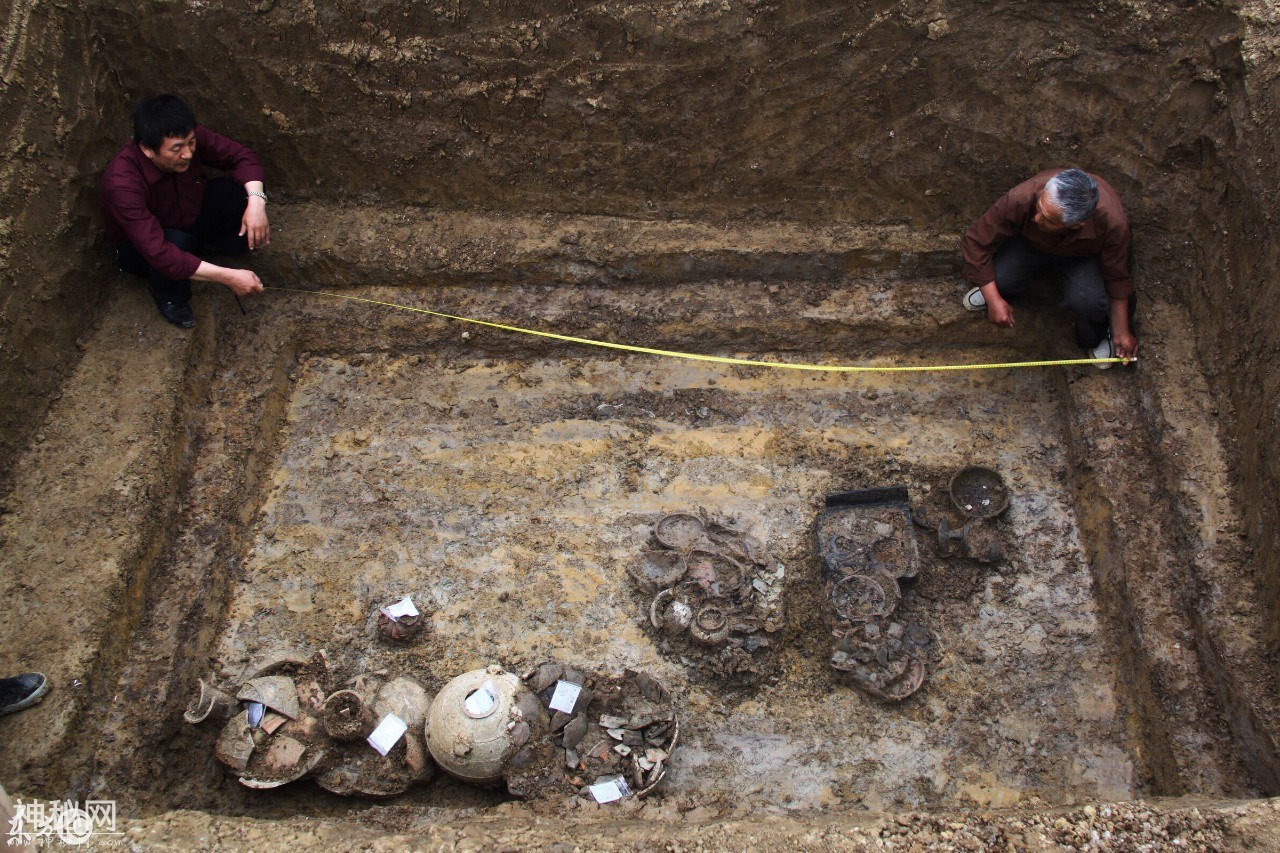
x: 627, y: 727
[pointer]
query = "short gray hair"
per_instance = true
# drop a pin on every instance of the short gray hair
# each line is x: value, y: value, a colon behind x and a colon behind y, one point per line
x: 1075, y: 193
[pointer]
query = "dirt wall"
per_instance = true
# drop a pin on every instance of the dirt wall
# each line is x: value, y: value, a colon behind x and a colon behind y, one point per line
x: 817, y: 110
x: 1236, y: 300
x: 54, y: 102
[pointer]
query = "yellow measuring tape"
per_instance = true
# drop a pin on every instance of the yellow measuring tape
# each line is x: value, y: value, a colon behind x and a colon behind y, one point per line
x: 719, y: 359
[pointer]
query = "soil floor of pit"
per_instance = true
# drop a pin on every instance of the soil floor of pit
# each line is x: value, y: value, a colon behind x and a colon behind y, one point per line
x: 509, y: 496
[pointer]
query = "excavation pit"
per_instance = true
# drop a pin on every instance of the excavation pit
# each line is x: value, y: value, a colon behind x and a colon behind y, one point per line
x: 771, y: 180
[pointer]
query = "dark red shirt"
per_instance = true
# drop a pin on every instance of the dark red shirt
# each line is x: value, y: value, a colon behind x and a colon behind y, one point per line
x: 1105, y: 234
x: 139, y: 201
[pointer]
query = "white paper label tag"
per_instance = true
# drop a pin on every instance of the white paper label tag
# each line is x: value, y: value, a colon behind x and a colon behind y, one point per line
x: 609, y: 789
x: 388, y: 733
x: 482, y: 702
x: 565, y: 697
x: 403, y: 607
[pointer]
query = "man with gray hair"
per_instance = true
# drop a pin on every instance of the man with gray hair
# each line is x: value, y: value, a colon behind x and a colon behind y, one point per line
x: 1065, y: 221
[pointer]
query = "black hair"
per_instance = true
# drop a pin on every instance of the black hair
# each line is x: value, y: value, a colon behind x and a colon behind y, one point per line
x: 156, y: 119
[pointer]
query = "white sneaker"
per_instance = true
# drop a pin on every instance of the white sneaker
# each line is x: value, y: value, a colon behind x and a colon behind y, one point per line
x: 1104, y: 349
x: 974, y: 300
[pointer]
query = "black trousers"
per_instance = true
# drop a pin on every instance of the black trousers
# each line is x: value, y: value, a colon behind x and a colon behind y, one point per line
x: 1084, y: 292
x: 216, y: 231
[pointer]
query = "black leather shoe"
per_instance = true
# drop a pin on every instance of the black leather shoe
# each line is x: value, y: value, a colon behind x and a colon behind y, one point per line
x: 21, y: 691
x: 178, y: 315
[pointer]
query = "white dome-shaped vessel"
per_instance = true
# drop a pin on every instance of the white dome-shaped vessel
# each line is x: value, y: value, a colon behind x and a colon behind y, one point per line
x: 470, y: 724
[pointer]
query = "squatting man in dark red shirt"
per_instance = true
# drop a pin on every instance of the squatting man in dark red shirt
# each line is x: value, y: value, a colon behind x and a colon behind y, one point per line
x: 1064, y: 221
x: 162, y: 212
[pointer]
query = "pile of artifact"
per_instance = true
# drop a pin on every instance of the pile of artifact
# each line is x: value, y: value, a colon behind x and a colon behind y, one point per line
x: 980, y: 495
x: 867, y: 542
x: 287, y: 719
x: 605, y: 730
x: 717, y: 596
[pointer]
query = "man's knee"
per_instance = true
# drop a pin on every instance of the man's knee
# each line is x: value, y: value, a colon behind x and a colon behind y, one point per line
x: 220, y: 217
x: 223, y: 207
x: 1017, y: 263
x: 129, y: 260
x: 1087, y: 301
x: 1011, y: 279
x: 1084, y: 291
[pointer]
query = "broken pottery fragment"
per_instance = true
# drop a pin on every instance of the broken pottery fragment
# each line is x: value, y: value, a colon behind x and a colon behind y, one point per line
x: 271, y: 722
x: 886, y: 659
x: 575, y: 731
x: 544, y: 676
x: 277, y: 692
x: 867, y: 542
x: 421, y: 767
x: 283, y: 761
x: 710, y: 625
x: 354, y: 768
x: 863, y: 597
x: 681, y: 531
x: 291, y: 729
x: 358, y: 771
x: 235, y: 743
x: 282, y: 660
x: 210, y: 703
x: 657, y: 569
x: 717, y: 573
x: 868, y: 530
x: 405, y: 698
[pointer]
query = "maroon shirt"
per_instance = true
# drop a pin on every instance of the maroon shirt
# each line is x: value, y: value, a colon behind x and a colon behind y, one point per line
x: 139, y: 201
x: 1105, y: 234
